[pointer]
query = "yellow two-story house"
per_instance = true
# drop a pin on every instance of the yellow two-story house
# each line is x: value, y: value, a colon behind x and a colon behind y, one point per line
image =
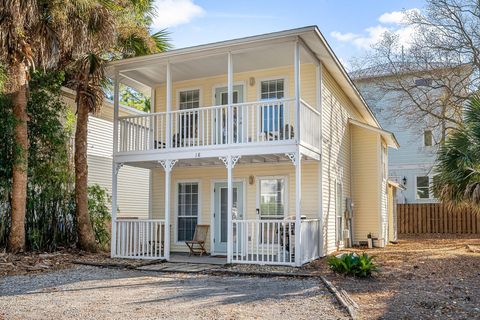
x: 265, y: 139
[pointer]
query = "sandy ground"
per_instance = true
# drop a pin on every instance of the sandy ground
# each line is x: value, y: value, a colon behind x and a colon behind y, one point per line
x: 86, y: 292
x: 432, y: 277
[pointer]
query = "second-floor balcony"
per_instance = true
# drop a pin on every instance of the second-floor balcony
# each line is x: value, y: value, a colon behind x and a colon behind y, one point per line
x: 259, y: 93
x: 251, y: 123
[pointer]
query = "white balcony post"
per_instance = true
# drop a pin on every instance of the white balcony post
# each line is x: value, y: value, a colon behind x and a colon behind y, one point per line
x: 167, y: 166
x: 113, y: 242
x: 230, y: 162
x: 116, y: 104
x: 153, y: 123
x: 319, y: 100
x: 168, y: 88
x: 230, y: 98
x: 296, y: 158
x: 296, y: 71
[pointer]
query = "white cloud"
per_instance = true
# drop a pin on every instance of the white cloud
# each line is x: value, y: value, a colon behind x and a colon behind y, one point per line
x: 396, y: 17
x: 389, y: 22
x: 171, y: 13
x: 344, y: 37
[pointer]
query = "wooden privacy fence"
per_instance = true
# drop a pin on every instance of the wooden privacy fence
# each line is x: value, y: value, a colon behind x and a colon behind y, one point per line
x: 436, y: 218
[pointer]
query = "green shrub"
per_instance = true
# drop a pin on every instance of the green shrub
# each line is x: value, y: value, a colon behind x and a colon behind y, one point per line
x: 98, y: 200
x: 353, y: 264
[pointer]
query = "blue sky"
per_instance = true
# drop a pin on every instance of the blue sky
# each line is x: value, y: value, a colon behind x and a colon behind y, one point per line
x: 350, y: 26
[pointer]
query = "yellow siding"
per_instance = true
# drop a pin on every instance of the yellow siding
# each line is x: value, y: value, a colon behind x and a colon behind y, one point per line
x: 252, y: 93
x: 366, y: 191
x: 336, y: 149
x: 207, y: 176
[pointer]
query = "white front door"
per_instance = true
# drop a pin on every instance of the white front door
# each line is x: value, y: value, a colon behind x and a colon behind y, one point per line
x: 220, y: 231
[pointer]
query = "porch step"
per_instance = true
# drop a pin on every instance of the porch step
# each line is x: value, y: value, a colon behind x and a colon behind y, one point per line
x: 180, y: 267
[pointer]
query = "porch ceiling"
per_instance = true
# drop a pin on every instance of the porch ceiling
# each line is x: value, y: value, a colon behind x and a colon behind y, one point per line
x: 215, y: 162
x: 263, y: 57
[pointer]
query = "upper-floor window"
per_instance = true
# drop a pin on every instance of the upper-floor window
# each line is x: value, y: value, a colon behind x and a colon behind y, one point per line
x: 189, y: 99
x: 272, y: 115
x: 428, y: 138
x: 187, y: 122
x: 423, y: 187
x: 423, y: 82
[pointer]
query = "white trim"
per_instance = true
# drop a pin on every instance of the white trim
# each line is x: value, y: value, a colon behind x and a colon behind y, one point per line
x: 175, y: 204
x: 183, y: 89
x: 212, y: 207
x: 286, y: 191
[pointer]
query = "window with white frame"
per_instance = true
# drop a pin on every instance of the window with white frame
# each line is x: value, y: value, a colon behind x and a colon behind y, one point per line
x: 272, y: 198
x: 339, y: 212
x: 272, y: 115
x: 427, y: 138
x: 423, y: 187
x: 187, y: 210
x: 188, y: 99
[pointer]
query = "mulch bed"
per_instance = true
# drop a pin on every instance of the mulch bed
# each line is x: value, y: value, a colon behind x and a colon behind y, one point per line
x: 422, y: 277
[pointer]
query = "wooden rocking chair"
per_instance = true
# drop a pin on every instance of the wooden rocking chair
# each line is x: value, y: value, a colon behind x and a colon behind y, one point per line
x: 197, y: 244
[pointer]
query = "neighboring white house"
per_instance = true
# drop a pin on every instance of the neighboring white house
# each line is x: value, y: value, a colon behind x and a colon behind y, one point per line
x: 133, y: 200
x: 264, y: 138
x: 412, y: 165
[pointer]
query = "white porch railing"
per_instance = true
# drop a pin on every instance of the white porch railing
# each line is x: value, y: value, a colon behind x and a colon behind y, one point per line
x: 310, y: 124
x: 273, y: 241
x: 139, y: 239
x: 310, y: 240
x: 264, y: 241
x: 252, y: 122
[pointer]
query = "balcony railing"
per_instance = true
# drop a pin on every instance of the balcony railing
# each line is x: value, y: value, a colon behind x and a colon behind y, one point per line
x: 242, y: 123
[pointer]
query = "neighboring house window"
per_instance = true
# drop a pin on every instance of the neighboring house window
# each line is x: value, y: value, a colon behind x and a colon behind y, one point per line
x: 187, y: 217
x: 272, y: 198
x: 272, y: 115
x: 423, y: 82
x: 423, y: 187
x: 339, y: 213
x: 189, y: 99
x: 427, y: 138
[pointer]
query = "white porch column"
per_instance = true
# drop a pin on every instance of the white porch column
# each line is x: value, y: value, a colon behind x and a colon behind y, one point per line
x: 168, y: 95
x: 167, y: 166
x: 230, y: 97
x: 113, y: 242
x: 296, y: 72
x: 116, y: 104
x: 297, y: 162
x: 230, y: 162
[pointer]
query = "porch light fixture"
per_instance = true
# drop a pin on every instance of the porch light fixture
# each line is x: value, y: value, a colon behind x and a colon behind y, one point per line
x: 404, y: 180
x: 251, y: 180
x: 251, y: 81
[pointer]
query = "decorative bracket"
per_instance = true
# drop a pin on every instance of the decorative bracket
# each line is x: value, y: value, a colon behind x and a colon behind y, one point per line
x: 294, y: 157
x: 117, y: 167
x: 230, y: 160
x: 168, y: 164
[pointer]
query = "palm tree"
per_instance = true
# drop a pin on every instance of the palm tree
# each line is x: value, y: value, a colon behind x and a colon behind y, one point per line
x: 28, y: 39
x: 129, y: 36
x: 458, y: 162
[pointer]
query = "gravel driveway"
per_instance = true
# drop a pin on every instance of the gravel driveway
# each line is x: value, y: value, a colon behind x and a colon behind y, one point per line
x: 93, y: 293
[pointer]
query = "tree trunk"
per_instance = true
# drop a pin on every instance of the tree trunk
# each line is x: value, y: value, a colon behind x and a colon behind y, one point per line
x: 16, y: 239
x: 86, y: 237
